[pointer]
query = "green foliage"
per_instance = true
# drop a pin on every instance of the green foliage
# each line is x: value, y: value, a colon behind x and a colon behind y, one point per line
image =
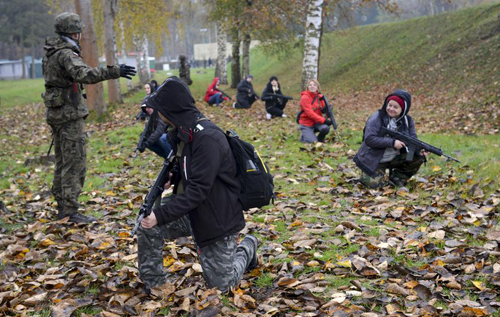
x: 265, y: 280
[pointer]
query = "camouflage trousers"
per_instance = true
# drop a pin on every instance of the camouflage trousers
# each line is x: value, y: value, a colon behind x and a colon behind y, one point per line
x: 223, y: 262
x: 399, y: 168
x: 69, y: 174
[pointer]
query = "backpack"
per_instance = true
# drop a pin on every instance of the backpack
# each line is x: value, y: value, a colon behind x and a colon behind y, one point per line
x: 257, y: 186
x: 256, y: 180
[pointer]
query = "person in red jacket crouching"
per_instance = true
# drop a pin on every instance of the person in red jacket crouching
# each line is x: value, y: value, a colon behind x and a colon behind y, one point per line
x: 213, y: 94
x: 310, y: 117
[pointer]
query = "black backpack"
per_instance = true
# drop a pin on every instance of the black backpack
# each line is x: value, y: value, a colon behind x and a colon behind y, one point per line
x: 257, y: 186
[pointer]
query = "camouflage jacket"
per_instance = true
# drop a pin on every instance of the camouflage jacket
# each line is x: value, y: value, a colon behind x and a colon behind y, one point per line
x: 64, y: 71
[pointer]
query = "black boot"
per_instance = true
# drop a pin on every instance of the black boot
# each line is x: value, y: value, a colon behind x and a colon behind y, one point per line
x: 75, y: 217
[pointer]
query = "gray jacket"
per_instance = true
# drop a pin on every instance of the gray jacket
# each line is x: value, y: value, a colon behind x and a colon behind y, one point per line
x: 374, y: 142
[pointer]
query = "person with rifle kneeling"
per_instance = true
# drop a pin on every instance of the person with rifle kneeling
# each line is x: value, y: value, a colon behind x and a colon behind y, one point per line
x: 206, y: 201
x: 214, y: 95
x: 379, y: 151
x: 310, y: 118
x: 245, y: 96
x: 274, y: 98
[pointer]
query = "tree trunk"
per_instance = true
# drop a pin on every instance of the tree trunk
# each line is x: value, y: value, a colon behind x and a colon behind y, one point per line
x: 110, y: 8
x: 235, y: 66
x: 221, y: 54
x: 145, y: 59
x: 124, y: 54
x: 23, y: 59
x: 95, y: 93
x: 246, y: 55
x: 33, y: 70
x: 140, y: 70
x: 312, y: 41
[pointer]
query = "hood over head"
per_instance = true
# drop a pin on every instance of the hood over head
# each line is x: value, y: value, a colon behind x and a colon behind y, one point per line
x: 403, y: 94
x: 56, y: 43
x: 174, y: 101
x: 269, y: 86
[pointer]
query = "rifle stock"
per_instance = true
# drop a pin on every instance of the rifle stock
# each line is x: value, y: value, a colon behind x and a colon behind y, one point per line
x: 142, y: 139
x: 155, y: 192
x: 414, y: 145
x: 329, y: 113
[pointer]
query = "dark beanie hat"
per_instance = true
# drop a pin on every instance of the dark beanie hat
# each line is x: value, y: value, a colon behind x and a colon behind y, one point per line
x: 273, y: 78
x: 399, y: 100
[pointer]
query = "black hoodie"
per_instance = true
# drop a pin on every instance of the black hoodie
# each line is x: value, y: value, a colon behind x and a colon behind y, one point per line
x: 207, y: 168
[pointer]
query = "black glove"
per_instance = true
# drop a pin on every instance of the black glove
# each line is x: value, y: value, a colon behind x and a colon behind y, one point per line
x: 328, y: 121
x: 322, y: 98
x: 127, y: 71
x: 143, y: 147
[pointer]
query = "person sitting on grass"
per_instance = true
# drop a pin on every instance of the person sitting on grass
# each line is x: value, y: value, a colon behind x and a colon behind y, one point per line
x: 275, y: 101
x: 379, y: 152
x: 213, y: 94
x: 245, y: 96
x: 310, y: 117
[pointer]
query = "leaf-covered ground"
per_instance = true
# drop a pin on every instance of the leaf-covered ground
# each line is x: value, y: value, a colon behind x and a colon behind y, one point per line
x: 329, y: 247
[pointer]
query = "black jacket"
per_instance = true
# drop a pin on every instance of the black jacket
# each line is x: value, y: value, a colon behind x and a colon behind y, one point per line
x: 155, y: 129
x: 207, y: 168
x: 271, y: 97
x: 244, y: 93
x: 374, y: 142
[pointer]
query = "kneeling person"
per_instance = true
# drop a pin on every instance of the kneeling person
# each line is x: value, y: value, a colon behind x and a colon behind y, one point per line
x: 379, y: 152
x: 205, y: 202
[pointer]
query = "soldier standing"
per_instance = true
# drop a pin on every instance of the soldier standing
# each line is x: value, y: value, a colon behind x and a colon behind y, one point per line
x: 64, y: 72
x: 184, y: 72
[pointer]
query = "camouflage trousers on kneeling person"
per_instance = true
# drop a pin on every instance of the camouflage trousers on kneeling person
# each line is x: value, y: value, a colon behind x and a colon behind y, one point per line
x: 399, y: 168
x: 223, y: 262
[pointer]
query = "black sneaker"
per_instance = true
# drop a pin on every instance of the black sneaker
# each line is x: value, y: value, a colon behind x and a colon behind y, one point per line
x: 397, y: 182
x: 251, y: 242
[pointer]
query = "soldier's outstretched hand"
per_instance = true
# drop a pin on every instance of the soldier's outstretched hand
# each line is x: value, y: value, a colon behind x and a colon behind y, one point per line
x: 127, y: 71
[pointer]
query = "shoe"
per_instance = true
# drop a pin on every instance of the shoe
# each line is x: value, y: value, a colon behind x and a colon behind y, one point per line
x: 397, y: 182
x: 250, y: 243
x: 234, y: 104
x: 76, y: 217
x: 268, y: 116
x: 283, y: 115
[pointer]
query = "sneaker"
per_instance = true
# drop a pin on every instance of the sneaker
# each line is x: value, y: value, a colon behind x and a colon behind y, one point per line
x: 283, y: 115
x: 268, y: 116
x: 234, y: 104
x: 247, y: 243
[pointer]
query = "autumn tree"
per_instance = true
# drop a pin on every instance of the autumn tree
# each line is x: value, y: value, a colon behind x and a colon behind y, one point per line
x: 90, y: 54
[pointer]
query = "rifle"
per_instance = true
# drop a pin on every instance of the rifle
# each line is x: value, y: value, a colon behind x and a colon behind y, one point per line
x: 147, y: 205
x: 414, y: 145
x: 143, y: 138
x: 282, y: 96
x: 329, y: 113
x: 223, y: 94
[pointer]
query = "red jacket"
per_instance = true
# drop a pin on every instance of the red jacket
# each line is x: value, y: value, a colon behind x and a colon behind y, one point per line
x: 311, y: 114
x: 212, y: 91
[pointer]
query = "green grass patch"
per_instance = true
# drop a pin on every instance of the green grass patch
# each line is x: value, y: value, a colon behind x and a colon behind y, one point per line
x: 265, y: 280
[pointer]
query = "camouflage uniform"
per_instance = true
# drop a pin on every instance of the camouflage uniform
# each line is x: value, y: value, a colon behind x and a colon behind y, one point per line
x: 184, y: 72
x: 400, y: 171
x: 223, y: 261
x: 64, y: 71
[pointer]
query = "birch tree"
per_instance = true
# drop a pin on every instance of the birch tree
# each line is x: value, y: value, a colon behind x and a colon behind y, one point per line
x: 235, y: 66
x: 95, y: 93
x: 221, y: 53
x: 312, y: 41
x: 110, y: 8
x: 245, y: 50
